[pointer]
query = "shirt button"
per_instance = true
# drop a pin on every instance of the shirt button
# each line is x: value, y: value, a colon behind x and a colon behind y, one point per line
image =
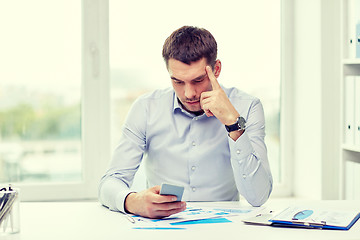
x: 193, y: 168
x: 238, y: 151
x: 196, y: 118
x: 194, y: 144
x: 244, y: 176
x: 193, y: 189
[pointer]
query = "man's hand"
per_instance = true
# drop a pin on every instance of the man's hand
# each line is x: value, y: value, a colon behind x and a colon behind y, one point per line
x: 216, y: 103
x: 149, y: 203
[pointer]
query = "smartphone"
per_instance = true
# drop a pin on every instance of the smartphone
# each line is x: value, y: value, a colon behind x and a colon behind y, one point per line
x: 170, y: 189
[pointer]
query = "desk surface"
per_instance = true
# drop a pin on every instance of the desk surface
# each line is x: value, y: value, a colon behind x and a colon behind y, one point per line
x: 90, y: 220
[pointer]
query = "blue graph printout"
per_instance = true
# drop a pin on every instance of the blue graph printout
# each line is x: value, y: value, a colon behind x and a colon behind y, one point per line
x: 194, y: 215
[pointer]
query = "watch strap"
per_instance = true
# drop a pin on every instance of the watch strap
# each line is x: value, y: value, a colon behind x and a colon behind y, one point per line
x: 238, y: 126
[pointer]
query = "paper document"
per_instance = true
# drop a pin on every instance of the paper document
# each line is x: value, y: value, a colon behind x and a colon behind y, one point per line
x: 195, y: 215
x: 316, y: 218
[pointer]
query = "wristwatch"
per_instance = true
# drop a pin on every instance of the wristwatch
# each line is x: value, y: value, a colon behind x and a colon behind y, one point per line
x: 239, y: 125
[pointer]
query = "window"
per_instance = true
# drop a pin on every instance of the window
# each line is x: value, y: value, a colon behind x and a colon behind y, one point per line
x: 40, y: 110
x: 248, y: 36
x: 47, y: 92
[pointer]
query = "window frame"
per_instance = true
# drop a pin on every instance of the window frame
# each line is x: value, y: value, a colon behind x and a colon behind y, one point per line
x: 95, y: 112
x: 285, y: 187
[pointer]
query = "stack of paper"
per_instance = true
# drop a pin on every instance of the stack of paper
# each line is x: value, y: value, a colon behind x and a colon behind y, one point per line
x: 193, y: 215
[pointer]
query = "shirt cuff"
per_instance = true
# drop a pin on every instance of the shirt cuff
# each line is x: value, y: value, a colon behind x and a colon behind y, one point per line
x: 241, y: 148
x: 120, y: 200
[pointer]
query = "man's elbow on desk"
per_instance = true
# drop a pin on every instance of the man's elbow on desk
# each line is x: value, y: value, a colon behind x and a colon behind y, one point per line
x: 258, y: 198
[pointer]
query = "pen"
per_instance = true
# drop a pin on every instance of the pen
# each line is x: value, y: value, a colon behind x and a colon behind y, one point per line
x: 261, y: 214
x: 131, y: 219
x: 196, y: 209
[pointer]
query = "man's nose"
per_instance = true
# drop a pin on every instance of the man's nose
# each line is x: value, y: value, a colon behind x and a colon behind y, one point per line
x: 190, y: 91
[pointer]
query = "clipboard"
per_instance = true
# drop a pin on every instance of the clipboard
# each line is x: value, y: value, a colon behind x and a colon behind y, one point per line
x: 315, y: 218
x: 303, y: 217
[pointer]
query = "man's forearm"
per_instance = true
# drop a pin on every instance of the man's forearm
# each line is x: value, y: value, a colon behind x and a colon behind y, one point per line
x: 234, y: 135
x: 112, y: 193
x: 251, y: 170
x: 256, y: 186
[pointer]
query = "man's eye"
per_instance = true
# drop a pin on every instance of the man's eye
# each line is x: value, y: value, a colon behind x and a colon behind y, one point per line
x: 199, y: 81
x: 178, y: 82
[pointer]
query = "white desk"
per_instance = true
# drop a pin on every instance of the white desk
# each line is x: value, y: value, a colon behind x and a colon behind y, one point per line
x: 90, y: 220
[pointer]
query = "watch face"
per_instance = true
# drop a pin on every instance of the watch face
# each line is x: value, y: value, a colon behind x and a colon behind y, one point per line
x: 239, y: 125
x: 241, y: 122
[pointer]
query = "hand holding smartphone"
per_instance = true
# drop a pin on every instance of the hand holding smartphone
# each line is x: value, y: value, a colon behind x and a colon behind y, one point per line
x: 170, y: 189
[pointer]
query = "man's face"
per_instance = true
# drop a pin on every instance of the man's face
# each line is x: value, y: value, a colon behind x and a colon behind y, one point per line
x: 189, y: 81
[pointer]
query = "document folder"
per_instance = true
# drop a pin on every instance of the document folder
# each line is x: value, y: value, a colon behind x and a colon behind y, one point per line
x: 315, y: 218
x: 349, y: 118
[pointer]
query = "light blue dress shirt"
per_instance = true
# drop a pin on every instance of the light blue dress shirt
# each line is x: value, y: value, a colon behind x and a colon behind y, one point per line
x: 196, y: 152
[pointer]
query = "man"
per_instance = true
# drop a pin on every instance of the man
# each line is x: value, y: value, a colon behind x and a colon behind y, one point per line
x: 198, y: 134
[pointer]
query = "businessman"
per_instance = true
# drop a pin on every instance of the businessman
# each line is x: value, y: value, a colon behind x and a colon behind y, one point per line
x: 198, y: 134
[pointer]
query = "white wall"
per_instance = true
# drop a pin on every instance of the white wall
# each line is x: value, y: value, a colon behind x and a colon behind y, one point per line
x: 331, y: 77
x: 307, y: 84
x: 316, y: 70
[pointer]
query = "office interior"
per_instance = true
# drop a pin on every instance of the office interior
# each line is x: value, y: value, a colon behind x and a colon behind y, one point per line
x: 310, y: 71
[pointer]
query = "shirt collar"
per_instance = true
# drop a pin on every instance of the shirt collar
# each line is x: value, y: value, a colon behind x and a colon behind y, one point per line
x: 177, y: 107
x: 176, y: 104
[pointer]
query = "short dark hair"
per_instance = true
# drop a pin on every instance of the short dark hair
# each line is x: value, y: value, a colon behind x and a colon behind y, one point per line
x: 190, y: 44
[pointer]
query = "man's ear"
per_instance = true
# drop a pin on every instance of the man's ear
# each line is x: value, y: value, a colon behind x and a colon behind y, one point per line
x: 217, y: 68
